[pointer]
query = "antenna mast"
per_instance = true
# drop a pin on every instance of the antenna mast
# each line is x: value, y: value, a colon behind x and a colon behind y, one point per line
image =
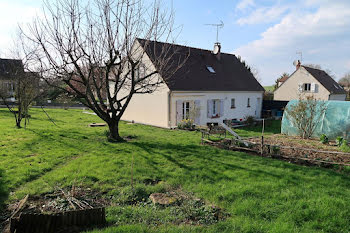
x: 301, y: 55
x: 218, y: 26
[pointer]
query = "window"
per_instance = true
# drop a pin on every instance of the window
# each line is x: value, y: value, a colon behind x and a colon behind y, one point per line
x: 233, y: 103
x: 211, y: 69
x: 248, y: 103
x: 142, y: 71
x: 307, y: 86
x: 185, y: 110
x: 216, y: 108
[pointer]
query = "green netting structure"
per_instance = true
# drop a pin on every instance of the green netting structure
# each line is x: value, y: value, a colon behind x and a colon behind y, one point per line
x: 334, y: 122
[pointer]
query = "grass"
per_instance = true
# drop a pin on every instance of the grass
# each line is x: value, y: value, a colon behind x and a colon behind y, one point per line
x: 271, y: 127
x: 260, y: 194
x: 269, y: 88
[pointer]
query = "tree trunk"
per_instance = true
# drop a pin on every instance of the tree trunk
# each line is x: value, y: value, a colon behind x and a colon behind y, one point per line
x: 114, y: 131
x: 18, y: 121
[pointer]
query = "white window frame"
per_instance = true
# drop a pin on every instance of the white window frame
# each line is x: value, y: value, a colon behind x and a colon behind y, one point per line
x: 186, y: 110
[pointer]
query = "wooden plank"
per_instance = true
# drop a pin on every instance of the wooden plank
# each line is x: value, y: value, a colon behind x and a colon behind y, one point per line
x: 51, y: 223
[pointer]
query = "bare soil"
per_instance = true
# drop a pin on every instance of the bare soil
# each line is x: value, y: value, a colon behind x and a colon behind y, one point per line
x: 307, y: 149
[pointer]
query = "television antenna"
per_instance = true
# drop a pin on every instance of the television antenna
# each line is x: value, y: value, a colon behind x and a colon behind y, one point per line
x: 218, y: 26
x: 301, y: 55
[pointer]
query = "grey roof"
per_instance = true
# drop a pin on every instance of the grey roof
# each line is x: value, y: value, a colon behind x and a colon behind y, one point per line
x: 10, y: 67
x: 230, y: 74
x: 327, y: 81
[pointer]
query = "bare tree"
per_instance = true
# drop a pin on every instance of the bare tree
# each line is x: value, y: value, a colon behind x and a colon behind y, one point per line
x: 345, y: 82
x: 306, y: 114
x: 93, y: 47
x: 23, y: 88
x: 252, y: 69
x: 317, y: 66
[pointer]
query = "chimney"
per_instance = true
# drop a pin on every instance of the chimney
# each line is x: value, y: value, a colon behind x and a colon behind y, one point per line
x: 217, y: 50
x: 298, y: 65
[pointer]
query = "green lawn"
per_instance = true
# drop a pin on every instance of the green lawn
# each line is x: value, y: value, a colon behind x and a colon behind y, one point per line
x: 260, y: 194
x: 269, y: 88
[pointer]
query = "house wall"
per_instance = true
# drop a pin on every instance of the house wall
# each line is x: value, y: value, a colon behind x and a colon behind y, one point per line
x: 239, y: 112
x: 289, y: 90
x: 150, y: 108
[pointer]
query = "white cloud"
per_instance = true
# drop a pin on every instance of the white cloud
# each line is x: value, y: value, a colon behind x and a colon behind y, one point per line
x: 11, y: 14
x: 322, y: 35
x: 244, y: 4
x: 263, y: 15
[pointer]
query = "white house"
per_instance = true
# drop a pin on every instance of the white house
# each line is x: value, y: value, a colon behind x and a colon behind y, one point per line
x: 209, y: 88
x: 307, y: 81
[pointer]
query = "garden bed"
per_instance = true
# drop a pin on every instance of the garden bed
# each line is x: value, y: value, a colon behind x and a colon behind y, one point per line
x: 75, y: 200
x: 293, y: 149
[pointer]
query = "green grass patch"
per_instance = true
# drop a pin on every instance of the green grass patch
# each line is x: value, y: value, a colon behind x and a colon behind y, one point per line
x: 271, y: 127
x: 269, y: 88
x: 260, y: 194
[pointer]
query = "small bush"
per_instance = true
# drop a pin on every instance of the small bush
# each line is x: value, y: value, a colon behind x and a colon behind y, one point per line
x: 276, y: 149
x: 339, y: 141
x: 186, y: 124
x: 249, y: 120
x: 345, y: 147
x: 324, y: 139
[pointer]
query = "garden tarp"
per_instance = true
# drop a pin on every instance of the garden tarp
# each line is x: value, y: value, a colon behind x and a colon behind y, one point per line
x: 334, y: 122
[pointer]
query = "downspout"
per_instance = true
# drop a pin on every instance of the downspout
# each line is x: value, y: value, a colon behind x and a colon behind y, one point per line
x: 169, y: 108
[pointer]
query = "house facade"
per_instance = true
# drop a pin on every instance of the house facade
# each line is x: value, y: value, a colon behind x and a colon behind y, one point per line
x: 9, y: 70
x: 307, y: 81
x: 208, y: 88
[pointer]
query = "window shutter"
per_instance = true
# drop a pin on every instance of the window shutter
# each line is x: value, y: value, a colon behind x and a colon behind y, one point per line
x: 210, y: 108
x: 313, y: 87
x: 197, y: 111
x: 221, y: 108
x: 178, y: 111
x: 300, y: 87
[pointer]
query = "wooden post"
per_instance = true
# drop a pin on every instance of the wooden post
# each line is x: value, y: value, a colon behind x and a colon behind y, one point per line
x: 262, y: 138
x: 132, y: 173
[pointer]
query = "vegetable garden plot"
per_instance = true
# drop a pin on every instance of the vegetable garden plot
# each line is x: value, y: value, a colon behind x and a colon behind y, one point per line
x: 294, y: 154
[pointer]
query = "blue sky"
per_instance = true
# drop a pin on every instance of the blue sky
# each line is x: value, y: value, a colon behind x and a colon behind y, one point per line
x: 265, y: 33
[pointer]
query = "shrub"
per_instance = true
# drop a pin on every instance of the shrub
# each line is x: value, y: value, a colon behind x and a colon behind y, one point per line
x: 305, y: 115
x: 339, y: 141
x: 344, y: 146
x: 324, y: 139
x: 186, y: 124
x: 249, y: 120
x: 276, y: 149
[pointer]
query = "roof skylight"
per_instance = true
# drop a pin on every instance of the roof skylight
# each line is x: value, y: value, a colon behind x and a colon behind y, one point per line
x: 211, y: 69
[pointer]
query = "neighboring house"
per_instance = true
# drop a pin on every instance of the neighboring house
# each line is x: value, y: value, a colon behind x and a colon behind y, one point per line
x: 208, y: 88
x: 9, y: 70
x: 282, y: 80
x: 306, y: 81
